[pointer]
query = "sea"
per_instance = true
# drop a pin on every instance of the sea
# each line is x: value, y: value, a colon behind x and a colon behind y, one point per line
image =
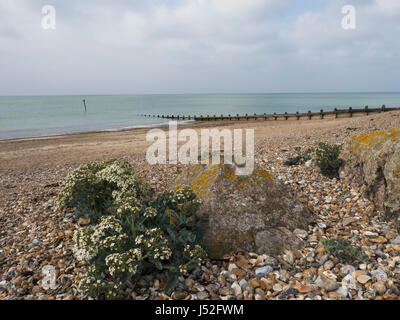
x: 35, y: 116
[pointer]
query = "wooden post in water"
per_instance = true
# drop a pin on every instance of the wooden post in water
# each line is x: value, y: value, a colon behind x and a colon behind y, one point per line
x: 84, y: 103
x: 336, y: 113
x: 351, y: 112
x: 366, y: 110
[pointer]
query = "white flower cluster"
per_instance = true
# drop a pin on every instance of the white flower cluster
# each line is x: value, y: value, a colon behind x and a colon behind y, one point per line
x: 106, y: 235
x: 183, y: 269
x: 155, y: 241
x: 150, y: 212
x: 89, y: 283
x: 121, y: 176
x: 196, y: 253
x: 124, y: 262
x: 84, y: 248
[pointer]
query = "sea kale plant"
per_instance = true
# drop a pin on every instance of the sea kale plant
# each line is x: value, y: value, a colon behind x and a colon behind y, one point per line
x: 92, y: 189
x: 343, y: 250
x: 132, y: 234
x: 325, y: 156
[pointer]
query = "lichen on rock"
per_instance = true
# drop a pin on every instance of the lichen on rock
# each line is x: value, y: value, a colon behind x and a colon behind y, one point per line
x: 372, y: 162
x: 252, y: 213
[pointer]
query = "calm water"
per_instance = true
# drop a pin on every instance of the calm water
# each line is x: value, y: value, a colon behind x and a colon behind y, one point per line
x: 50, y: 115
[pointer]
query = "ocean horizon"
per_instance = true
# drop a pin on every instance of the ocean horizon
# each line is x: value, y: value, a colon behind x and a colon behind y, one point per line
x: 35, y: 116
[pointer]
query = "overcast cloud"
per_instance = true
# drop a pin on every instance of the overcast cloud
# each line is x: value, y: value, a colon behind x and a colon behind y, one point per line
x: 194, y: 46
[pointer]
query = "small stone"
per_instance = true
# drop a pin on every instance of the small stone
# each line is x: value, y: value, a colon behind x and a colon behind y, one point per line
x: 289, y: 292
x: 358, y: 273
x: 348, y: 221
x: 255, y: 283
x: 179, y: 295
x: 236, y: 288
x: 277, y: 287
x: 189, y: 283
x: 347, y: 269
x: 335, y: 295
x: 202, y: 295
x: 343, y: 291
x: 224, y: 291
x: 363, y: 279
x: 379, y: 274
x: 371, y: 234
x: 396, y: 240
x: 232, y: 266
x: 271, y: 261
x: 83, y: 222
x: 263, y: 271
x: 326, y: 283
x: 243, y: 283
x: 302, y: 234
x: 380, y: 287
x: 308, y: 163
x: 288, y: 257
x: 239, y: 273
x: 258, y: 297
x: 46, y: 205
x: 328, y: 265
x: 303, y: 288
x: 349, y: 282
x: 35, y: 290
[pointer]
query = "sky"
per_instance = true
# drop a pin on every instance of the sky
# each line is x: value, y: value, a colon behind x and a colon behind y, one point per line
x: 198, y: 46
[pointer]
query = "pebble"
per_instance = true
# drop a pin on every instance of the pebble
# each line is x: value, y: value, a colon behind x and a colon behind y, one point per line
x: 379, y: 274
x: 236, y: 288
x: 349, y: 282
x: 202, y: 295
x: 380, y: 287
x: 277, y: 287
x: 300, y: 233
x: 363, y: 279
x: 263, y: 271
x: 326, y: 284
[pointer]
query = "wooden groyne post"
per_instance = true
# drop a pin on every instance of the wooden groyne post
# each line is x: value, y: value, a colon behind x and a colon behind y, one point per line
x: 350, y: 112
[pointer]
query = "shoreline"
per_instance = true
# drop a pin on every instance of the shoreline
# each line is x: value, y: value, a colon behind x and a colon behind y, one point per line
x: 140, y: 126
x: 181, y: 123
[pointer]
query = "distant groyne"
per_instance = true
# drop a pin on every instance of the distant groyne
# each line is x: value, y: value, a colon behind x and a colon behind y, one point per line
x: 278, y: 116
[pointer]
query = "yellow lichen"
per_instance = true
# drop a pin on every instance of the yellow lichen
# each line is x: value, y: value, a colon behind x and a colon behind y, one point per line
x: 264, y: 174
x: 366, y: 140
x: 242, y: 183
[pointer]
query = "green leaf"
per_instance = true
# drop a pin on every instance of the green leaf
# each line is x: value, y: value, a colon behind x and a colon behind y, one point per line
x: 172, y: 282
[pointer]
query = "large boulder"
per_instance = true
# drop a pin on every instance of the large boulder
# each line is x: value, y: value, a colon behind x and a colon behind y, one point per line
x: 252, y: 213
x: 372, y: 163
